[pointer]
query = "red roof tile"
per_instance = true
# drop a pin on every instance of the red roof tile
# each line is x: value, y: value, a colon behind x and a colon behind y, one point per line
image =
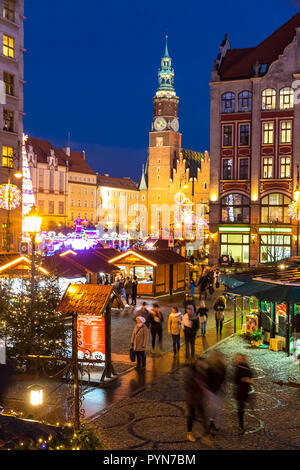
x: 238, y: 63
x: 111, y: 182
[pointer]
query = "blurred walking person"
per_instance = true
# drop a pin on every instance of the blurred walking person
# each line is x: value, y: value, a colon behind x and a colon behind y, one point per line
x: 128, y: 290
x: 219, y: 308
x: 143, y: 312
x: 134, y: 290
x: 196, y: 399
x: 174, y: 328
x: 243, y: 380
x: 202, y: 312
x: 215, y: 380
x: 156, y: 319
x: 190, y: 325
x: 139, y: 340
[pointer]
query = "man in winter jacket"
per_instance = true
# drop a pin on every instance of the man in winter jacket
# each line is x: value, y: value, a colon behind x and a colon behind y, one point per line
x: 156, y: 319
x: 174, y: 327
x: 190, y: 325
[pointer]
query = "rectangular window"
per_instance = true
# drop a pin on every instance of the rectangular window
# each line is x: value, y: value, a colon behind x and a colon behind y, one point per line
x: 274, y: 248
x: 227, y: 168
x: 61, y: 181
x: 9, y: 10
x: 60, y: 207
x: 7, y: 156
x: 268, y: 167
x: 285, y: 167
x: 51, y: 181
x: 8, y: 120
x: 227, y: 136
x: 159, y: 141
x: 41, y: 207
x: 41, y: 179
x: 8, y: 79
x: 51, y: 207
x: 8, y: 46
x: 268, y: 133
x: 244, y: 134
x: 79, y: 203
x: 243, y: 171
x: 286, y: 132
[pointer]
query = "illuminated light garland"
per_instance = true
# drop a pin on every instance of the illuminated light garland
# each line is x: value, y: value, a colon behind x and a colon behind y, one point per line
x: 294, y: 210
x: 10, y: 197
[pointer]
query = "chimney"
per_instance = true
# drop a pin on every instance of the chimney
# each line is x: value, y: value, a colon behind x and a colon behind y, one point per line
x: 67, y: 151
x: 83, y: 154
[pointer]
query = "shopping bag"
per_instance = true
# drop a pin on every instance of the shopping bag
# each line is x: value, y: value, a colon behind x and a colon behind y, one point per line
x: 132, y: 354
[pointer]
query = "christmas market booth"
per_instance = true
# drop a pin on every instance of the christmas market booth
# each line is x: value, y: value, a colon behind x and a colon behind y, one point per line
x: 159, y: 272
x: 90, y: 306
x: 91, y: 265
x: 16, y: 269
x: 273, y: 295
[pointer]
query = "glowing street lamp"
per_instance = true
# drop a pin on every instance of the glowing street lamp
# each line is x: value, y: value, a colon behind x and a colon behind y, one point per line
x: 36, y: 393
x: 32, y: 225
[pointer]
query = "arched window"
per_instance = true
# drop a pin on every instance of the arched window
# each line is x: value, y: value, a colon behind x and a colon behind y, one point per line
x: 286, y: 98
x: 228, y: 101
x: 274, y: 208
x: 235, y: 208
x: 245, y: 101
x: 268, y: 99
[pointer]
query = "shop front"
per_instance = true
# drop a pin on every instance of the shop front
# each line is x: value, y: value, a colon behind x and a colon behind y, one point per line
x: 235, y: 243
x: 275, y: 243
x: 158, y: 272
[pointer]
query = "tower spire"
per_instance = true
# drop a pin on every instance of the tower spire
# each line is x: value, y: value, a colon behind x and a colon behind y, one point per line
x: 166, y: 48
x: 166, y: 74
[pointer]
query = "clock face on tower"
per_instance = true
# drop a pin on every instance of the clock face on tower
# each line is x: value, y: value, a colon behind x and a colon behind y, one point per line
x: 160, y: 124
x: 175, y: 125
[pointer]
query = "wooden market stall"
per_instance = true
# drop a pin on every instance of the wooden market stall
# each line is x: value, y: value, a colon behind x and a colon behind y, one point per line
x: 159, y: 272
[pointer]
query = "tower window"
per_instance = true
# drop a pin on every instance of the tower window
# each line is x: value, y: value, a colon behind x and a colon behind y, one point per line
x: 9, y: 10
x: 8, y: 46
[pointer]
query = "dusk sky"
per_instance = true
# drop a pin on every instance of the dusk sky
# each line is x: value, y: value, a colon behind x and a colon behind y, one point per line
x: 91, y: 69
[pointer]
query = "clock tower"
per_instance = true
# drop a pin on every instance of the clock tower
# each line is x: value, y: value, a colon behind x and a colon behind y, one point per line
x: 164, y: 138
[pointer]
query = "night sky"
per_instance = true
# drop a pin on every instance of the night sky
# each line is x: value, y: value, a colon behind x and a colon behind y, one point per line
x: 91, y: 69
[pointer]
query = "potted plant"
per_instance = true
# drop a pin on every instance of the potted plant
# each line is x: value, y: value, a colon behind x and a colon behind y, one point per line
x: 256, y: 337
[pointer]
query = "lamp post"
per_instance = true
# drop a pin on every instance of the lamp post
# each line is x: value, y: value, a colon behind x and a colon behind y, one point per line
x: 32, y: 225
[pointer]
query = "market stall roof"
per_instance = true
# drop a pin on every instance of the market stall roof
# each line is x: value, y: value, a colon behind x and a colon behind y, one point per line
x: 158, y: 243
x: 88, y: 299
x: 148, y: 257
x: 16, y: 265
x: 88, y: 261
x: 62, y: 267
x: 106, y: 253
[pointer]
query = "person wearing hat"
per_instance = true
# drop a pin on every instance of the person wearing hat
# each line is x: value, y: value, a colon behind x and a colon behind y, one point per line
x: 139, y: 340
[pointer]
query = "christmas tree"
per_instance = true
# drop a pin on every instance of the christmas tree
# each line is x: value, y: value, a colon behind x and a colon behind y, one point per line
x: 32, y: 325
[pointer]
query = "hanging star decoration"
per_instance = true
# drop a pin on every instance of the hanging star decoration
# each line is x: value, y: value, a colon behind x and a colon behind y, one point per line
x: 10, y: 197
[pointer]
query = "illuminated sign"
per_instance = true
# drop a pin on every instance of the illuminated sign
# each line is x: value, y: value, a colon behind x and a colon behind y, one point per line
x: 91, y: 336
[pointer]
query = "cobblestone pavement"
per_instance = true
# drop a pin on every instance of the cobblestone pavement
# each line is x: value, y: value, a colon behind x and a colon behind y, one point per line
x: 122, y: 322
x: 154, y: 417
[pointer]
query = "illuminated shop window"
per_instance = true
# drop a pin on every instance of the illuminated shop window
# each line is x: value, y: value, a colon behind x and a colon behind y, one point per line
x: 286, y: 98
x: 268, y: 99
x: 235, y: 208
x: 274, y: 208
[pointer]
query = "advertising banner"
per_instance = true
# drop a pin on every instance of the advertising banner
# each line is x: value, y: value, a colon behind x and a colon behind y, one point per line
x: 91, y: 336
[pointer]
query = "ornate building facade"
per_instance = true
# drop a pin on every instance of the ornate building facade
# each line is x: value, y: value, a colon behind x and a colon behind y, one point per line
x: 11, y: 113
x: 174, y: 180
x: 255, y: 148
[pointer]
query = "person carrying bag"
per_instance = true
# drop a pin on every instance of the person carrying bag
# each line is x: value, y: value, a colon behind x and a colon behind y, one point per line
x: 139, y: 340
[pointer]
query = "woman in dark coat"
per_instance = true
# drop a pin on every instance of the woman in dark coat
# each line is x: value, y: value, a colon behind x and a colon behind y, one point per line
x: 134, y: 290
x: 243, y: 380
